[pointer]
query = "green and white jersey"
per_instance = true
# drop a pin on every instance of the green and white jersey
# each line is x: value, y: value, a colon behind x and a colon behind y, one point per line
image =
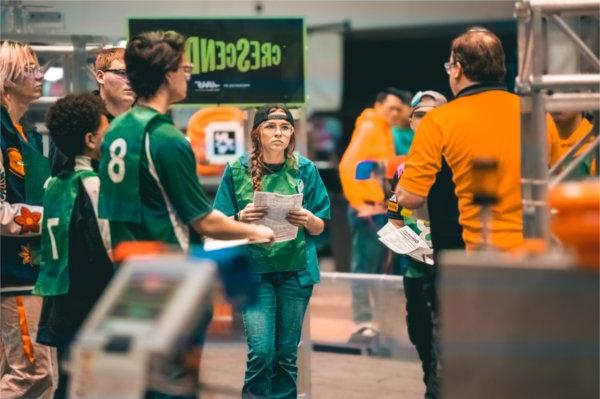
x: 169, y: 193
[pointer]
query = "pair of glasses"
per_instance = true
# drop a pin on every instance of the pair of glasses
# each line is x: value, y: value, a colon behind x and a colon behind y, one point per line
x: 418, y: 115
x: 122, y: 73
x: 187, y: 68
x: 285, y: 129
x: 32, y: 70
x: 448, y: 66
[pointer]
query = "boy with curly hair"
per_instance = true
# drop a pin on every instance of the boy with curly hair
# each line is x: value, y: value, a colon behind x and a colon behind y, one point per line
x: 75, y: 244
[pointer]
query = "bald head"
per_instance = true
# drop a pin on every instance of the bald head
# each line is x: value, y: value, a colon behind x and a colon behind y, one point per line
x: 480, y: 55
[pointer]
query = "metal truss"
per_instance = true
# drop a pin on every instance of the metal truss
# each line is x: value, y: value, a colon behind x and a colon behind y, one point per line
x: 542, y: 92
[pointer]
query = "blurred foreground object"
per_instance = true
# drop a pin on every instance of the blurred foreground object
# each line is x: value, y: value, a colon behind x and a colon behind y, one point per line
x: 485, y: 180
x: 577, y: 221
x: 145, y: 319
x: 518, y: 328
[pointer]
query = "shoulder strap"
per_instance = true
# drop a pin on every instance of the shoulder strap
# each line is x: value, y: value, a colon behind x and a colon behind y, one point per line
x: 182, y: 232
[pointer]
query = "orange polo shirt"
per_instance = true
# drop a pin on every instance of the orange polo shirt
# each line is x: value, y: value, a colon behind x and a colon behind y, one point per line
x: 559, y: 146
x: 487, y: 124
x: 372, y: 139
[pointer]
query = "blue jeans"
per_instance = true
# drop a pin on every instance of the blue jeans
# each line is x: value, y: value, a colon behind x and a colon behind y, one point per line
x: 273, y: 327
x: 368, y: 255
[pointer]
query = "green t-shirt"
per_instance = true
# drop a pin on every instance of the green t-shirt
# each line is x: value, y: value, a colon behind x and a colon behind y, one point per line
x: 315, y: 200
x: 167, y: 211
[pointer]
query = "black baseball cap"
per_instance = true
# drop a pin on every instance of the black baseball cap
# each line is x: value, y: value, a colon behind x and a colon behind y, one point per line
x: 264, y: 113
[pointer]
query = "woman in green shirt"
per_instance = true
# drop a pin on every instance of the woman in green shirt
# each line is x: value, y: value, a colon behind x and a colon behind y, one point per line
x: 286, y: 271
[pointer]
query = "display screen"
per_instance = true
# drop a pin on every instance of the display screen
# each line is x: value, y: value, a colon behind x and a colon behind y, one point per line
x: 239, y: 61
x: 145, y: 296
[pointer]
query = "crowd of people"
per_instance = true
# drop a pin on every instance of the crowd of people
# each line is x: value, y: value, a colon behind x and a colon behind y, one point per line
x: 120, y: 171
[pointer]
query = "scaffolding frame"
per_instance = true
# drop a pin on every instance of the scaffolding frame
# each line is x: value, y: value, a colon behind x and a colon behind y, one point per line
x: 542, y: 92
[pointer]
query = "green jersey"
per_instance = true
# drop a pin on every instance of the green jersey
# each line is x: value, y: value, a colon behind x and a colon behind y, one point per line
x: 229, y: 201
x: 169, y: 193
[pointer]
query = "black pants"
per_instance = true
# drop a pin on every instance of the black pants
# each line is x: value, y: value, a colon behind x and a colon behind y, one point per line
x: 421, y: 319
x: 63, y: 377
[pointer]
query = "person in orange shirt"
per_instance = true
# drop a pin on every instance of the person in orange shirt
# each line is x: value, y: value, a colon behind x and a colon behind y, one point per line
x: 372, y: 139
x: 482, y: 121
x: 571, y: 126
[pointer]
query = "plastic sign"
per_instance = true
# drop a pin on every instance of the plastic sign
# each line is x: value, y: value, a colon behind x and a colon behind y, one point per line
x: 224, y: 142
x: 364, y: 169
x: 239, y: 61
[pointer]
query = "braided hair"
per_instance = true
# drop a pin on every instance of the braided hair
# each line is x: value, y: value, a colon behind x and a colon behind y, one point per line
x: 257, y: 164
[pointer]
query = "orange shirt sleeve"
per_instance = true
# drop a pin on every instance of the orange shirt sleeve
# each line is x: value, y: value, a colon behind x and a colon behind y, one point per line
x: 359, y: 149
x: 424, y: 159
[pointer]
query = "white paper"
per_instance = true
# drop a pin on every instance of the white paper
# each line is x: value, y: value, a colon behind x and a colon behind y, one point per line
x: 389, y: 228
x: 278, y: 206
x: 412, y: 238
x: 405, y: 241
x: 214, y: 245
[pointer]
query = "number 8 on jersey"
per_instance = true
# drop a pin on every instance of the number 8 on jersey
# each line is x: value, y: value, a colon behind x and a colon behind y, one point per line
x: 116, y: 165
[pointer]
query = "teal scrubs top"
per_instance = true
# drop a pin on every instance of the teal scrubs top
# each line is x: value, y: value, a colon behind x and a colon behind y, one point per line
x: 315, y: 200
x: 403, y: 139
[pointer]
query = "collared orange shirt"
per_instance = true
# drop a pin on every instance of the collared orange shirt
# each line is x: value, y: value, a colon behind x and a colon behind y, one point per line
x: 482, y: 124
x: 559, y: 146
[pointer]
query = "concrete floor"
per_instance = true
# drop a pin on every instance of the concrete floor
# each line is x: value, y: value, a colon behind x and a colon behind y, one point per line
x: 332, y: 375
x: 336, y: 376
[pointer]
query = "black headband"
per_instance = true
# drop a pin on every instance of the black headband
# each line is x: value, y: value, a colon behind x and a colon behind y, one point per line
x: 267, y: 112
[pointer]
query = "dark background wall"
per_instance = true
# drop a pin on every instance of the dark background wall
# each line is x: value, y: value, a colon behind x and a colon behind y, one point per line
x: 409, y: 59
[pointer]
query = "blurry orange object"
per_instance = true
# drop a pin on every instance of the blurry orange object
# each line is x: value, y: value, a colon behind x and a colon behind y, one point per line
x: 392, y: 166
x: 577, y: 221
x: 222, y: 321
x: 130, y: 248
x: 197, y: 134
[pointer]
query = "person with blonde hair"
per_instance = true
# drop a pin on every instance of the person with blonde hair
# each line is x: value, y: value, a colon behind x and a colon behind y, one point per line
x: 27, y: 369
x: 285, y: 271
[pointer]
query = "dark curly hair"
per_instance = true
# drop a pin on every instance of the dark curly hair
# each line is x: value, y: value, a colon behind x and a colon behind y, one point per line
x: 148, y: 58
x: 70, y: 118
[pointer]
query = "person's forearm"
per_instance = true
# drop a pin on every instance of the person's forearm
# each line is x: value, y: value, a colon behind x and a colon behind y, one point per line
x: 315, y: 225
x: 11, y: 214
x: 218, y: 226
x: 408, y: 200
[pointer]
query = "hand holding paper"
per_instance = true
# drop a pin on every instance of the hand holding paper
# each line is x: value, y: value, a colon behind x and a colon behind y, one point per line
x: 298, y: 217
x: 278, y: 208
x: 252, y: 213
x: 406, y: 242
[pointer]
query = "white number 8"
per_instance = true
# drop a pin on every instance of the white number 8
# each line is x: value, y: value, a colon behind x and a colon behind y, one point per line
x: 116, y: 166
